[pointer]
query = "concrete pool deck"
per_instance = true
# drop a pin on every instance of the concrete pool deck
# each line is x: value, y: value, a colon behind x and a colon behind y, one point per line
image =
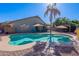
x: 6, y: 49
x: 5, y: 46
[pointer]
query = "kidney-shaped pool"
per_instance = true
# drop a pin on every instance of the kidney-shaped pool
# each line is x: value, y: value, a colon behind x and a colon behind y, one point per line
x: 21, y: 39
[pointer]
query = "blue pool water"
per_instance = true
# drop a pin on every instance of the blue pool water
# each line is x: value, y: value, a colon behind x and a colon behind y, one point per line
x: 21, y: 39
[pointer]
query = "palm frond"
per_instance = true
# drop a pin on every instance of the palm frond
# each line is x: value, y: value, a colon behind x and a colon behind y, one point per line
x: 52, y: 10
x: 54, y: 4
x: 58, y: 12
x: 47, y: 11
x: 55, y: 12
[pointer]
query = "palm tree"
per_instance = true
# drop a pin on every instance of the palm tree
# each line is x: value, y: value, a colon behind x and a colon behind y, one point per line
x: 52, y: 12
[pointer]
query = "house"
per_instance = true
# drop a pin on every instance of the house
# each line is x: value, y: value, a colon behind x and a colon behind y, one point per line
x: 27, y: 25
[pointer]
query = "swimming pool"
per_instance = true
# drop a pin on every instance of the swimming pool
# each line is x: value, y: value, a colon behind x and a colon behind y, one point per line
x: 21, y: 39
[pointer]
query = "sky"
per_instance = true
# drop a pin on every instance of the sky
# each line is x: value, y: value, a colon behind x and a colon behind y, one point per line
x: 15, y: 11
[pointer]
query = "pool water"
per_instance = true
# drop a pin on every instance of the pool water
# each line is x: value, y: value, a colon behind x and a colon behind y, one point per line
x: 21, y: 39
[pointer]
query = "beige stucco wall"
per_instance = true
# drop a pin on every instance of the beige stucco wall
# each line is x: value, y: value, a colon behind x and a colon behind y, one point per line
x: 29, y: 22
x: 8, y: 28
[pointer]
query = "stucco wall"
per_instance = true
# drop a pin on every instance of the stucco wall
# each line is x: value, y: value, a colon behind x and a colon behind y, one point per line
x: 28, y: 22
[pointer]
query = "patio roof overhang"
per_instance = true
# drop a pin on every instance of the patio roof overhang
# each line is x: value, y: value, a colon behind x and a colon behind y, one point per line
x: 40, y: 25
x: 61, y: 27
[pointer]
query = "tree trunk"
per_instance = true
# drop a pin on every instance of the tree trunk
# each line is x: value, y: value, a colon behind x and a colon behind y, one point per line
x: 50, y: 40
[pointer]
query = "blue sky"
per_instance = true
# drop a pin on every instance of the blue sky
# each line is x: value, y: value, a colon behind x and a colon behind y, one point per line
x: 14, y: 11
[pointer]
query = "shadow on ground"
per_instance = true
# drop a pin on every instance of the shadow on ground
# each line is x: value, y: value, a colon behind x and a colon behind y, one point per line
x: 58, y: 50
